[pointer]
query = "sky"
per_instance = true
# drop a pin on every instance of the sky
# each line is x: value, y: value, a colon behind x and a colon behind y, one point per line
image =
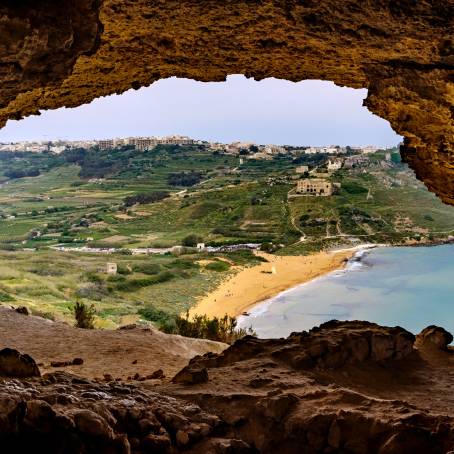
x: 271, y: 111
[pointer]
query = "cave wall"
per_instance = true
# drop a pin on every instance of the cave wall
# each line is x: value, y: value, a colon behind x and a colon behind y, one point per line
x: 67, y: 53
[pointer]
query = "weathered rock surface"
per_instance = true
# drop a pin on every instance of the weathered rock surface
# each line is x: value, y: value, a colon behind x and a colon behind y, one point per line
x: 14, y: 364
x: 344, y: 387
x: 62, y: 413
x: 435, y: 337
x: 67, y: 53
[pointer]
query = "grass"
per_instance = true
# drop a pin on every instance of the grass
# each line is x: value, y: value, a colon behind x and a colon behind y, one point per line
x: 226, y: 207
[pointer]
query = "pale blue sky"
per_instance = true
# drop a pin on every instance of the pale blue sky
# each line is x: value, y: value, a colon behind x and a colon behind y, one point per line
x: 269, y: 111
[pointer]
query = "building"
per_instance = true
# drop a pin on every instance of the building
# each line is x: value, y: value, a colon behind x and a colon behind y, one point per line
x: 369, y: 149
x: 260, y: 155
x: 334, y: 164
x: 200, y: 246
x: 107, y: 144
x: 315, y: 186
x: 302, y: 169
x: 145, y: 143
x: 111, y: 268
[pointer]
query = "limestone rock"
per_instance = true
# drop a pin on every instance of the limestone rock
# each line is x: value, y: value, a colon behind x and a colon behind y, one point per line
x: 434, y: 336
x: 191, y: 376
x: 15, y: 364
x: 67, y: 53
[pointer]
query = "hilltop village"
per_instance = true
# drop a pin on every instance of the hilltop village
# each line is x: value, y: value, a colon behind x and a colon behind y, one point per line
x: 143, y: 228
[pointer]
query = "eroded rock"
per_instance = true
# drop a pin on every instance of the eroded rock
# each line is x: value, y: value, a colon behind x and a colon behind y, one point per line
x: 435, y: 337
x: 67, y: 53
x: 15, y: 364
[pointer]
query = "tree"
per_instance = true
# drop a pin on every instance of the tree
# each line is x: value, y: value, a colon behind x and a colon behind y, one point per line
x: 191, y: 240
x: 84, y: 315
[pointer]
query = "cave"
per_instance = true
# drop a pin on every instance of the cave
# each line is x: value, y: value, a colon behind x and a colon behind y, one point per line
x: 67, y: 54
x: 347, y: 387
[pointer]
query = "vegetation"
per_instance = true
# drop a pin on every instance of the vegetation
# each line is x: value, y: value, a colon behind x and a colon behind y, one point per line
x: 191, y: 240
x: 84, y: 315
x: 220, y: 329
x: 145, y: 198
x: 182, y: 195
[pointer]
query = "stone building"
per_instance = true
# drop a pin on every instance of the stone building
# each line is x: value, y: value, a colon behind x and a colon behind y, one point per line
x: 111, y: 268
x: 334, y: 164
x: 302, y: 169
x: 106, y: 144
x: 315, y: 186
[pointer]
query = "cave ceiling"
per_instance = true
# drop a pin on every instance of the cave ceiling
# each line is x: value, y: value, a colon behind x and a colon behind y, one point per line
x: 67, y: 53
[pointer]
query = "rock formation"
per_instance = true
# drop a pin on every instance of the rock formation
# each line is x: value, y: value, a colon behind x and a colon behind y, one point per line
x: 69, y: 52
x: 345, y: 387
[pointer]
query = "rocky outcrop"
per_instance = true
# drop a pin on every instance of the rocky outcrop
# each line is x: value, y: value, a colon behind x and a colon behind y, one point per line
x: 67, y: 53
x: 434, y: 337
x: 331, y: 345
x: 14, y: 364
x: 63, y: 413
x: 255, y: 397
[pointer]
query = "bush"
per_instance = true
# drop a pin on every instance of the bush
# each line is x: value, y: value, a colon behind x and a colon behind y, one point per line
x: 182, y: 264
x: 147, y: 268
x: 218, y: 266
x: 6, y: 297
x: 222, y: 329
x: 153, y: 314
x: 149, y: 197
x: 135, y: 284
x: 184, y: 178
x: 84, y: 315
x: 191, y: 240
x: 354, y: 188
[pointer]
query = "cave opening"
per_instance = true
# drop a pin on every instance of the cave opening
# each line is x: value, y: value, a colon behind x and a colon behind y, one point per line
x: 290, y: 168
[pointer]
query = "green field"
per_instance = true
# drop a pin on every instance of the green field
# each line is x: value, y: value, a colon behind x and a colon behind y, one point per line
x: 79, y: 198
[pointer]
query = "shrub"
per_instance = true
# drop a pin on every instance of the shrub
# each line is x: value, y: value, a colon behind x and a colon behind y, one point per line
x: 147, y: 268
x: 153, y: 314
x: 143, y: 198
x: 93, y: 277
x: 191, y: 240
x: 221, y: 329
x: 184, y: 178
x: 135, y: 284
x: 268, y: 247
x: 354, y: 188
x: 218, y: 266
x: 182, y: 264
x: 84, y: 315
x: 6, y: 297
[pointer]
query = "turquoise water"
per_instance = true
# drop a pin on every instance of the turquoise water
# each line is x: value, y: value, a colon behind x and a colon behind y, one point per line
x: 410, y: 287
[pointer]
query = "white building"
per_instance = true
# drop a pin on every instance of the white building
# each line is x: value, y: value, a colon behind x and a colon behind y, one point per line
x: 334, y: 164
x: 111, y: 268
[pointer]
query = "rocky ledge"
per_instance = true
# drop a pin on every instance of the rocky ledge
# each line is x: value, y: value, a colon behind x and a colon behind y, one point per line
x: 344, y: 387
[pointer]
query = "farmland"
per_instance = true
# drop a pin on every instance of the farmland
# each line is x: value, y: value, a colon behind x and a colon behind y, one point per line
x: 128, y: 199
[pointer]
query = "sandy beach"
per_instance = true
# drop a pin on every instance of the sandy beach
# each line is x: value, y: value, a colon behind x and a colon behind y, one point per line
x: 252, y: 285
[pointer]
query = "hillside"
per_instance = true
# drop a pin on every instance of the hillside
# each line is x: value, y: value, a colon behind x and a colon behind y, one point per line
x: 125, y: 199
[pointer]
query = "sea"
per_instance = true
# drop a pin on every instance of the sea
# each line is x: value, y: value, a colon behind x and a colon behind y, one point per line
x: 412, y: 287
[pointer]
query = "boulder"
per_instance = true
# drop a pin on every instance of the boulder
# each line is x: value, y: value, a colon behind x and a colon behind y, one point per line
x: 191, y: 375
x: 22, y: 310
x: 435, y: 337
x: 16, y: 365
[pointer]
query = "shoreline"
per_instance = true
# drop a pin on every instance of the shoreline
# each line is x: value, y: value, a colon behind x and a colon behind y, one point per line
x: 254, y: 285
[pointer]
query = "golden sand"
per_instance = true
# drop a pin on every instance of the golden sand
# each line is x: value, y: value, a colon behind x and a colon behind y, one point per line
x: 254, y: 284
